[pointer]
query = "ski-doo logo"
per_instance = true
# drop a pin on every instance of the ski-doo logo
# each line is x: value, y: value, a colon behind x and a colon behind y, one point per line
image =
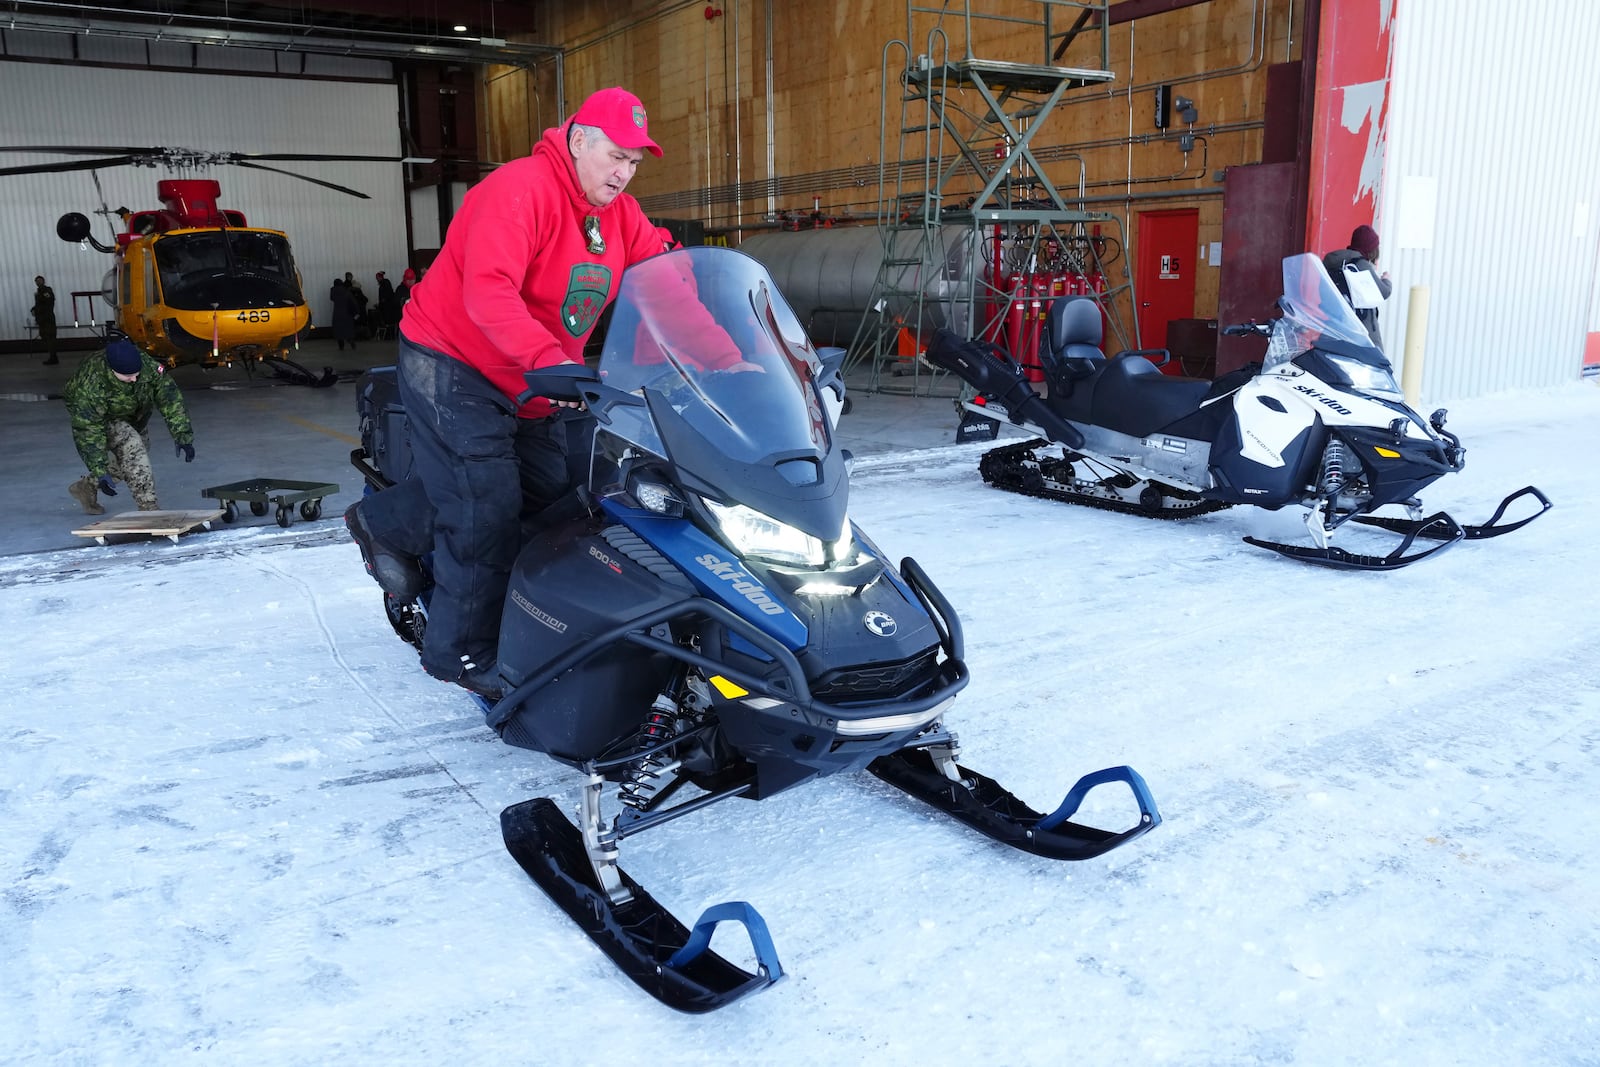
x: 549, y: 620
x: 1323, y: 398
x: 740, y: 583
x: 880, y: 623
x: 603, y: 558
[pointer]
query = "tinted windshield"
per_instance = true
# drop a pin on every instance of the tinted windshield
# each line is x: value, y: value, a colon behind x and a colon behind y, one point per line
x: 1313, y: 308
x: 226, y: 269
x: 705, y: 332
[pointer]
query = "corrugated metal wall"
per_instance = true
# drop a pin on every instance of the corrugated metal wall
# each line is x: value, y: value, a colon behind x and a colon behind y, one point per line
x: 58, y: 104
x: 1492, y: 190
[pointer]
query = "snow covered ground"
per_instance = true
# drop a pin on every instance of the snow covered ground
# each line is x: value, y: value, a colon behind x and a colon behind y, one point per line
x: 238, y: 825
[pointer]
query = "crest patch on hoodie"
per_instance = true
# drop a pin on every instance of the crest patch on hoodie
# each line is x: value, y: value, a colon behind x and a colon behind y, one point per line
x: 587, y: 289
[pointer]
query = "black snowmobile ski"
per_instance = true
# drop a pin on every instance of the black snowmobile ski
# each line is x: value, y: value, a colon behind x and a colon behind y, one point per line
x: 985, y: 805
x: 1437, y: 527
x: 1493, y: 528
x: 672, y: 963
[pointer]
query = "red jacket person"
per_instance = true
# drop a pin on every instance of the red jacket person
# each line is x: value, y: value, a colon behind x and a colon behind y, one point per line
x: 529, y: 263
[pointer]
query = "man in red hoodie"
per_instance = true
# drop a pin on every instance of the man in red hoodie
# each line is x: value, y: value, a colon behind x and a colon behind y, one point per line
x: 529, y: 262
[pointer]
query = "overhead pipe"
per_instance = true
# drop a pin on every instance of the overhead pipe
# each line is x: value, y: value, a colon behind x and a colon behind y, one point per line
x: 262, y: 33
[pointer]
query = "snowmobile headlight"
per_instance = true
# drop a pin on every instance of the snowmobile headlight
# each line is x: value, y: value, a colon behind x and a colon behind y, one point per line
x: 1365, y: 378
x: 753, y: 534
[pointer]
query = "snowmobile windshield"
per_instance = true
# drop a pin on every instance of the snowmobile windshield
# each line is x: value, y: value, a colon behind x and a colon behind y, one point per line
x: 1313, y: 311
x: 704, y: 334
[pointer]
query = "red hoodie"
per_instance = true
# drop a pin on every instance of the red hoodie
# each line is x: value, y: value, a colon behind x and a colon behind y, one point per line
x: 515, y: 286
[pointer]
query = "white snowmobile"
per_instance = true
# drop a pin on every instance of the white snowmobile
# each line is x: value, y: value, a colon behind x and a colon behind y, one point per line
x: 1321, y: 424
x: 709, y: 624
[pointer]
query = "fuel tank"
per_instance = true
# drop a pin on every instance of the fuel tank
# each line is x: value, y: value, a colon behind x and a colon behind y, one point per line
x: 827, y: 276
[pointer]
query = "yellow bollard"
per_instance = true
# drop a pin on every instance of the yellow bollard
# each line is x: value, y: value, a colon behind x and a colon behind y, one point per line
x: 1416, y: 336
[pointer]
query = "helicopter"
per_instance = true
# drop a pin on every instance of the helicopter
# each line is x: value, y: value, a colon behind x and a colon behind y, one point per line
x: 193, y: 283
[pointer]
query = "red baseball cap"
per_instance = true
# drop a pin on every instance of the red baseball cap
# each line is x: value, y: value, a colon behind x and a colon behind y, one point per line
x: 620, y: 116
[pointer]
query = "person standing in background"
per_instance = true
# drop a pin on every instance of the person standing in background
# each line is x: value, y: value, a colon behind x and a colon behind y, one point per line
x: 44, y: 316
x: 1361, y: 255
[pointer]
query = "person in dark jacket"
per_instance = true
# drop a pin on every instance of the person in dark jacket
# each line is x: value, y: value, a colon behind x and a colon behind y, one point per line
x: 44, y: 317
x: 1362, y: 254
x: 402, y: 294
x: 344, y: 314
x: 388, y: 306
x: 110, y: 398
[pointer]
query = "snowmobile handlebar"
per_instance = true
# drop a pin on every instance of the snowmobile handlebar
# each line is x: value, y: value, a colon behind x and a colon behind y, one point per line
x: 1244, y: 329
x: 563, y: 381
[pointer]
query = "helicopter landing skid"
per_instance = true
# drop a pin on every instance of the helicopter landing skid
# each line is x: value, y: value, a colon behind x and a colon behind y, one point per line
x: 295, y: 374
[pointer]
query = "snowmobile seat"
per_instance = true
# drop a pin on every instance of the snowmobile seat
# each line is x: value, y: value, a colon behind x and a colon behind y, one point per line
x: 1132, y: 396
x: 1069, y: 349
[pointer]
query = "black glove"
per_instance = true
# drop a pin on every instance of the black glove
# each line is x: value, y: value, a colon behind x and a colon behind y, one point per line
x: 107, y: 486
x: 186, y: 451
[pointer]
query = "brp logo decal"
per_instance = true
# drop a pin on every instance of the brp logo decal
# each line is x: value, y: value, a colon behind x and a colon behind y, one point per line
x: 880, y: 623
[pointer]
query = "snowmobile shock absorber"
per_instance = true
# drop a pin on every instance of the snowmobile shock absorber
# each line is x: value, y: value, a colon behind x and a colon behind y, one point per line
x: 1332, y: 467
x: 639, y: 784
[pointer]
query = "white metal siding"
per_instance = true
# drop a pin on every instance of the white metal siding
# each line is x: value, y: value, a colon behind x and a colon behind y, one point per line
x: 53, y: 104
x: 1493, y: 103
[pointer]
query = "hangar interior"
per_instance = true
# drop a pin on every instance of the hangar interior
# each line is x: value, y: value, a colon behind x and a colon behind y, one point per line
x: 897, y: 165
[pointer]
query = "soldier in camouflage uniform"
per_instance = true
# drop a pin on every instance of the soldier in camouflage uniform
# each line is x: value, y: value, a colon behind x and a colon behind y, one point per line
x: 110, y: 399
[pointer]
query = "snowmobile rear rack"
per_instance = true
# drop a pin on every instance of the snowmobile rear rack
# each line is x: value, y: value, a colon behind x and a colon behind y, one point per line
x: 1493, y: 528
x: 1437, y: 527
x: 985, y: 805
x: 669, y: 961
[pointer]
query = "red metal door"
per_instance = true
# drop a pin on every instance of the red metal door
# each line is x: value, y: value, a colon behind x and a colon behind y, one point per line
x: 1168, y: 253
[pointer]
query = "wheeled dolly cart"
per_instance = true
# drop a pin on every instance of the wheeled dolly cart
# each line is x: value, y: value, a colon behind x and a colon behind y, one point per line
x: 260, y: 493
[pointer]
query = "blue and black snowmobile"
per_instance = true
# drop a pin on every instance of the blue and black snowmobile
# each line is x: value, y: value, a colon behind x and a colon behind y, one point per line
x: 711, y: 624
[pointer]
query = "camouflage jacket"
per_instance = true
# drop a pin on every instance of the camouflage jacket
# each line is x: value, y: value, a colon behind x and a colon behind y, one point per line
x: 96, y: 397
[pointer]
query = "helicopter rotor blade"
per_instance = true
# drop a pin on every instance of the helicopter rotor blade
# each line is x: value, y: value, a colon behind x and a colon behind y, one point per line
x: 82, y: 150
x: 304, y: 178
x: 82, y: 164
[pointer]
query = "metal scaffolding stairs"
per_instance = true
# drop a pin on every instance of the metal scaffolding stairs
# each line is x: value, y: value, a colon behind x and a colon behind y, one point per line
x: 944, y: 207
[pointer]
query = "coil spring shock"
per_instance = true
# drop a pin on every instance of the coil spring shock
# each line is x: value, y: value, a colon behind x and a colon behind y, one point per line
x: 639, y: 784
x: 1332, y: 479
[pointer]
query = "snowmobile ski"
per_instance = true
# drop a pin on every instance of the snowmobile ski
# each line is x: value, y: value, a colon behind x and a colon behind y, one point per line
x: 987, y: 807
x: 1493, y: 528
x: 1437, y: 527
x: 672, y: 963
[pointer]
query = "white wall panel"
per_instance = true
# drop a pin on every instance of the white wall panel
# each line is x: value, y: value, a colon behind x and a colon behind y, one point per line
x: 330, y: 232
x: 1492, y: 190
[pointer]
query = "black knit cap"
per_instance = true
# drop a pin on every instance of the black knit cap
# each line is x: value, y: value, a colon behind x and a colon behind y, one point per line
x: 122, y: 356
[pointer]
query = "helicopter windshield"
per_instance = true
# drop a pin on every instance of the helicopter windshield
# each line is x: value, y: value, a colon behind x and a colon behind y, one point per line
x: 205, y: 269
x: 704, y: 331
x: 1313, y: 309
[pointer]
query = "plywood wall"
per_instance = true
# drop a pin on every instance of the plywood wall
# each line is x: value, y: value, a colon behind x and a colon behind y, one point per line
x: 737, y: 153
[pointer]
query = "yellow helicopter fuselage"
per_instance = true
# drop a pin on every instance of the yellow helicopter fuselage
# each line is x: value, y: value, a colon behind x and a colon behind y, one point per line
x: 209, y: 296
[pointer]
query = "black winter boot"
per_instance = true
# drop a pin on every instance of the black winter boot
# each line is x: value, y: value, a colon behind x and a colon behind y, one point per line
x: 399, y: 575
